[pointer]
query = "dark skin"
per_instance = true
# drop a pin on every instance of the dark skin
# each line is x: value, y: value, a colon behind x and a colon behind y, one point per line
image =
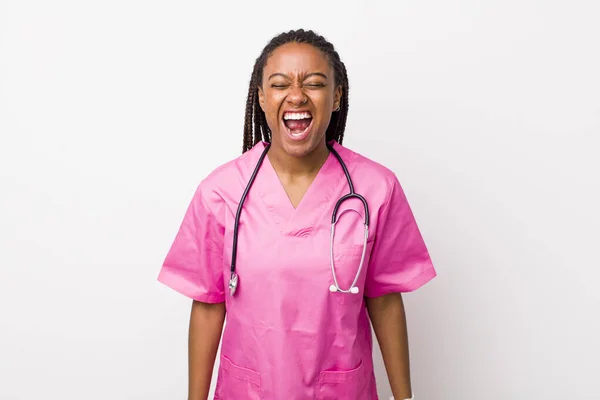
x: 389, y: 324
x: 298, y: 77
x: 206, y: 326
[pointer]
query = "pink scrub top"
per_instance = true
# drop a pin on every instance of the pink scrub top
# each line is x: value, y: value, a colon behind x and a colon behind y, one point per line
x: 286, y: 335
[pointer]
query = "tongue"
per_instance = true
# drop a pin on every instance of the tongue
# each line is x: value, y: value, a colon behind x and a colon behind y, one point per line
x: 297, y: 125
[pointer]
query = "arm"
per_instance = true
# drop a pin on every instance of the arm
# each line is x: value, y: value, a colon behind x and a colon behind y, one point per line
x: 206, y: 326
x: 389, y: 323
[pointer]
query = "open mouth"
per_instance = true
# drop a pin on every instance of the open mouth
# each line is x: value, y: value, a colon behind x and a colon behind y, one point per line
x: 297, y: 123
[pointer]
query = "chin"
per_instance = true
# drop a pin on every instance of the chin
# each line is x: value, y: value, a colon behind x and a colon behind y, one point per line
x: 298, y: 149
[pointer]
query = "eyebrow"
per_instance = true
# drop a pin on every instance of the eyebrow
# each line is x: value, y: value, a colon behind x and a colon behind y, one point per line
x: 306, y: 77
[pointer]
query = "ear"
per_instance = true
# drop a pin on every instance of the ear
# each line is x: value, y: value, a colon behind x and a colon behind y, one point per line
x: 337, y: 98
x: 261, y: 98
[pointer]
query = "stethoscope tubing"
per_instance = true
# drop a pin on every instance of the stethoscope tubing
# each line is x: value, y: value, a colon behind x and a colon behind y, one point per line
x: 233, y: 281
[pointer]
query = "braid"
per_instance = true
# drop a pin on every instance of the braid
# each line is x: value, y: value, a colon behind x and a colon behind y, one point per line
x: 337, y: 126
x: 255, y: 123
x: 248, y: 140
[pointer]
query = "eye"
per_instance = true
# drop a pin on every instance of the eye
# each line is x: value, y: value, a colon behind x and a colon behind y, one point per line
x: 278, y: 85
x: 315, y: 85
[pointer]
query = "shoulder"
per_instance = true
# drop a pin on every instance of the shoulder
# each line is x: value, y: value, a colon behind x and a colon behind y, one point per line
x: 370, y: 173
x: 227, y: 180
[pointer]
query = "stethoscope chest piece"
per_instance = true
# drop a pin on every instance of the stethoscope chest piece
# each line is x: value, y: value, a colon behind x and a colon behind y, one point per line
x: 233, y: 283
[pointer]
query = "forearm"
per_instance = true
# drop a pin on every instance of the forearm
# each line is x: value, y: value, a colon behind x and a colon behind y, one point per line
x: 206, y: 325
x: 389, y: 323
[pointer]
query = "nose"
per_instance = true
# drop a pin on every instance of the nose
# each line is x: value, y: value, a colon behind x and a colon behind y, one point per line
x: 296, y: 96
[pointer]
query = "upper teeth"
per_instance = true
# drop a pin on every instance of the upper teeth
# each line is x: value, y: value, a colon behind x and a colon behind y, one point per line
x: 296, y: 115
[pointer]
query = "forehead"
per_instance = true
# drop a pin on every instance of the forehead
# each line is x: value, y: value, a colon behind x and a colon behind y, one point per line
x: 294, y: 58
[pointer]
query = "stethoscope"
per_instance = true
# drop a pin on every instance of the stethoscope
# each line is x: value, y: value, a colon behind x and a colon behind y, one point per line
x: 335, y: 287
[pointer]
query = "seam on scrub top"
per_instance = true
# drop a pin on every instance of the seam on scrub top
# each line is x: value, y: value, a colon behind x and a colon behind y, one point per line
x: 241, y: 378
x: 170, y: 279
x: 429, y: 269
x: 218, y: 297
x: 394, y: 287
x: 388, y: 199
x: 206, y: 205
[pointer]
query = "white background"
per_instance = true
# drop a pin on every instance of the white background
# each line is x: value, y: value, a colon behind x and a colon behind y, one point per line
x: 111, y: 112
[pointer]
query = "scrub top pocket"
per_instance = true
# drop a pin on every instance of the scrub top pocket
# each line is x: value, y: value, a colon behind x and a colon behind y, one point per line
x: 235, y: 382
x: 343, y: 385
x: 346, y: 262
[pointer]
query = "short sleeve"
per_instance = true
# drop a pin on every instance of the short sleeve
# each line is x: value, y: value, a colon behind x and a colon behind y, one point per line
x: 193, y: 264
x: 400, y: 261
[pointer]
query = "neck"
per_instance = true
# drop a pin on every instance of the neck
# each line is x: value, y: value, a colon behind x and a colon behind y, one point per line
x: 289, y: 165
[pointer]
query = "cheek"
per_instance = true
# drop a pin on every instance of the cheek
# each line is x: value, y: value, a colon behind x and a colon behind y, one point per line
x: 322, y: 99
x: 272, y: 103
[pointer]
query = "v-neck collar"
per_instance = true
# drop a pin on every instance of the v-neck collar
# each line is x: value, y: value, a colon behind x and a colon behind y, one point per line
x: 316, y: 201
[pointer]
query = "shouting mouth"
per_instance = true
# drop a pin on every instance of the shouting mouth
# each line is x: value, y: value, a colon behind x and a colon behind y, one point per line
x: 297, y: 124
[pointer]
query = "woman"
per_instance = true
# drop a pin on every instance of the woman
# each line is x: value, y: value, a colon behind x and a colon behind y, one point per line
x: 298, y: 315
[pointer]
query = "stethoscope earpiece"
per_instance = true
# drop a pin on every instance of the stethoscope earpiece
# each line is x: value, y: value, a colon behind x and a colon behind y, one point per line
x: 353, y: 290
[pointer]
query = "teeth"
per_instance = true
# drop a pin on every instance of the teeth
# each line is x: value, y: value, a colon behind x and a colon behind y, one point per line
x: 295, y: 115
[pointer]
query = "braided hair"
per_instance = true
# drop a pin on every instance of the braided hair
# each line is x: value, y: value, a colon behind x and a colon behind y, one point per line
x: 255, y: 124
